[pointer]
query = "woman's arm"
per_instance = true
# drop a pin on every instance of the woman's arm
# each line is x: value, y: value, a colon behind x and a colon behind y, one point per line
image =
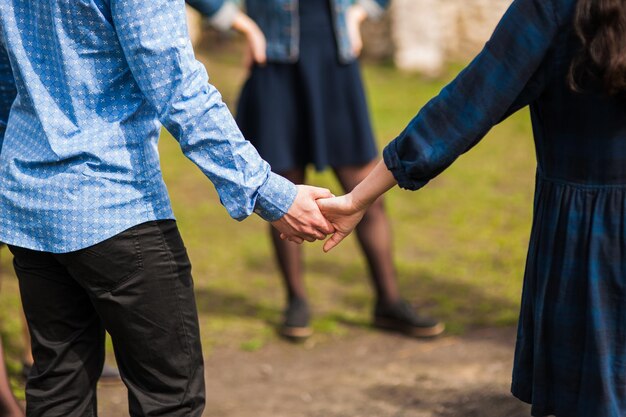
x: 356, y: 15
x: 503, y: 78
x: 257, y: 44
x: 224, y: 15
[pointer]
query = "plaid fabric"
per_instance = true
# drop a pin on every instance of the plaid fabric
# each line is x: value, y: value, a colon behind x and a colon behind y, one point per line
x: 570, y: 357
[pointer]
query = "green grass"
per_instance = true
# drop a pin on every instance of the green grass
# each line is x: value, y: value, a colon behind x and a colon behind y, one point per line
x: 460, y: 242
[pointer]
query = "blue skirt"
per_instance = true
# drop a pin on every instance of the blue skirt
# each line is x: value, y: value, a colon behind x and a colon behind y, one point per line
x: 313, y: 111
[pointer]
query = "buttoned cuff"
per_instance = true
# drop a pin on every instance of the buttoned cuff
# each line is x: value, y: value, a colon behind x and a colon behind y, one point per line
x: 275, y: 198
x: 373, y: 9
x: 394, y: 164
x: 223, y: 19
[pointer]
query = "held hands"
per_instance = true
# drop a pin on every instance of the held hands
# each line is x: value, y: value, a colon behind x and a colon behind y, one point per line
x: 316, y: 212
x: 344, y: 213
x: 304, y: 221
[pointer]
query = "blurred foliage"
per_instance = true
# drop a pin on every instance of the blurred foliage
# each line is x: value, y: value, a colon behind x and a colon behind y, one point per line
x: 460, y: 242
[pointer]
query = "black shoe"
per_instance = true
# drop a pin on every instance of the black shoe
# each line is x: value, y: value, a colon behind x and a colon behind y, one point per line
x: 401, y: 317
x: 296, y: 324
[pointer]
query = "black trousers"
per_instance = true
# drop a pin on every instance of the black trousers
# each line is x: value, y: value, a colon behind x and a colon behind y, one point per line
x: 136, y: 285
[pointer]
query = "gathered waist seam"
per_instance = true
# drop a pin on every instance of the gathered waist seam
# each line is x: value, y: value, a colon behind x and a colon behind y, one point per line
x: 582, y: 186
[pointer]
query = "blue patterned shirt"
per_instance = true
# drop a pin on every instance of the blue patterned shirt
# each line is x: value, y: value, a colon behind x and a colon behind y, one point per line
x: 84, y: 88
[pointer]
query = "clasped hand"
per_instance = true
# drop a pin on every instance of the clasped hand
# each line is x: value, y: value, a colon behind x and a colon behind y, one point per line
x: 316, y: 213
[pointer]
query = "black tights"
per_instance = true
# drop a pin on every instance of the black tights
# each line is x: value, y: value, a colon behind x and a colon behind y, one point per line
x: 373, y: 233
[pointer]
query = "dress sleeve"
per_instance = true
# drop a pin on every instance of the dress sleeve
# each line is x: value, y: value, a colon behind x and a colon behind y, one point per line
x: 8, y: 91
x: 220, y: 13
x: 176, y: 85
x: 494, y: 85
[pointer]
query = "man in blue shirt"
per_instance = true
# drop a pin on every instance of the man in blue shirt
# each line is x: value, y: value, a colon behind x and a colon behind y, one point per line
x: 84, y: 89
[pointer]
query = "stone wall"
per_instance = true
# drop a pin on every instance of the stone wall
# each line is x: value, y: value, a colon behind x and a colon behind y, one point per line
x: 427, y: 33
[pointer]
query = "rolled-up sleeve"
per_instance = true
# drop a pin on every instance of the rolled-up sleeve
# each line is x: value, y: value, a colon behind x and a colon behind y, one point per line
x: 7, y: 91
x: 492, y: 87
x: 220, y: 13
x: 176, y: 85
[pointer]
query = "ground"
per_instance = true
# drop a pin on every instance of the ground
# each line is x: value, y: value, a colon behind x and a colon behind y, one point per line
x: 363, y: 374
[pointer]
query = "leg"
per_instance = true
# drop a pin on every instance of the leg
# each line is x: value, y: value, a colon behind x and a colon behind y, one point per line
x: 289, y: 257
x: 288, y: 254
x: 141, y: 286
x: 374, y: 235
x: 110, y: 374
x: 67, y: 338
x: 8, y: 404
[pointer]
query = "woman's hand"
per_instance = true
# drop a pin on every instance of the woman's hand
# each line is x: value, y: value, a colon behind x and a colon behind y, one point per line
x: 304, y: 221
x: 343, y: 213
x: 257, y: 44
x: 355, y: 16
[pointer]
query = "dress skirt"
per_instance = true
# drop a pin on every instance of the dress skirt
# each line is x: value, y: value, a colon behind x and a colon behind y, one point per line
x: 313, y: 111
x: 570, y: 358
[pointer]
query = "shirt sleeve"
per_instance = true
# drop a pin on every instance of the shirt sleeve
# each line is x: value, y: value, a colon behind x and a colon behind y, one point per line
x: 220, y: 13
x: 374, y: 8
x: 503, y: 78
x: 8, y: 91
x: 176, y: 85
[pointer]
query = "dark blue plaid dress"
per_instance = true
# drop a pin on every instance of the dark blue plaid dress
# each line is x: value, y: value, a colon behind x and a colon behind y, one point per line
x: 570, y: 359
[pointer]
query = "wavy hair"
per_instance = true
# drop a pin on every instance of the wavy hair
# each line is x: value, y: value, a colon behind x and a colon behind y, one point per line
x: 601, y: 28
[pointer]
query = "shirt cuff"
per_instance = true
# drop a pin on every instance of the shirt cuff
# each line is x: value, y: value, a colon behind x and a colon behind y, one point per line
x: 275, y: 198
x: 373, y: 9
x: 223, y: 19
x: 394, y: 164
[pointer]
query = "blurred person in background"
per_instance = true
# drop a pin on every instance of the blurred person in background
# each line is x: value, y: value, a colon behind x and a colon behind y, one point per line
x: 567, y: 60
x: 304, y: 104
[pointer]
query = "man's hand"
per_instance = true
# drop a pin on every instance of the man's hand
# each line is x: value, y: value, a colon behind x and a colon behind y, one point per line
x: 344, y: 213
x: 304, y: 221
x: 355, y: 16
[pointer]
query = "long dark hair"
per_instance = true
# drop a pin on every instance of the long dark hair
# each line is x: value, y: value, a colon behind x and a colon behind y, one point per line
x: 601, y: 28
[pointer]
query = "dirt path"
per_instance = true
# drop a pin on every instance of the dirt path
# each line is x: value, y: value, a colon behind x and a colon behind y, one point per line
x: 365, y: 374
